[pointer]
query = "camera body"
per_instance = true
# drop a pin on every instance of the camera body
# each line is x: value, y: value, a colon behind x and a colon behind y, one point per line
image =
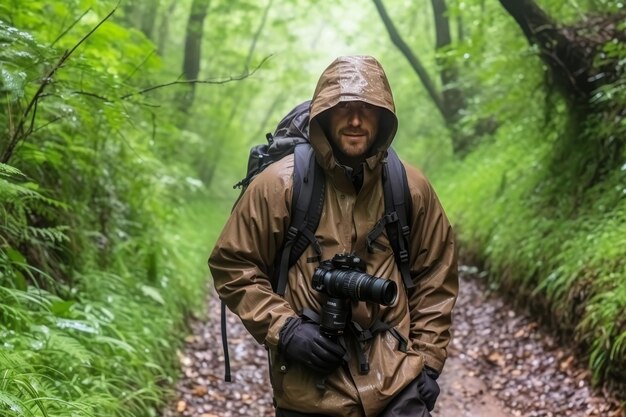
x: 343, y: 278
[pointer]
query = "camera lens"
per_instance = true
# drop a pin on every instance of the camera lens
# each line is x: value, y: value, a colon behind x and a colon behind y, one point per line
x: 356, y: 285
x: 334, y: 316
x: 361, y: 286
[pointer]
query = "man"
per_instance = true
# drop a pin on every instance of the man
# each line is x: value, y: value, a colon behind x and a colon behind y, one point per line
x: 352, y: 124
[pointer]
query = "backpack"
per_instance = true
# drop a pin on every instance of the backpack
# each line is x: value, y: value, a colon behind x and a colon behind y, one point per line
x: 291, y: 136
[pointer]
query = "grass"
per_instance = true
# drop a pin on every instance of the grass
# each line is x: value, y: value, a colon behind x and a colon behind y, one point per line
x: 548, y: 242
x: 109, y: 349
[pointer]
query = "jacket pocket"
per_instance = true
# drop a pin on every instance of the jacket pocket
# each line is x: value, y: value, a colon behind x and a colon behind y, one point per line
x: 276, y: 371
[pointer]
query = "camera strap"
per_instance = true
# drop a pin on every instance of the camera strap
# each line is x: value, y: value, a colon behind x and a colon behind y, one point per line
x: 365, y: 335
x: 227, y: 376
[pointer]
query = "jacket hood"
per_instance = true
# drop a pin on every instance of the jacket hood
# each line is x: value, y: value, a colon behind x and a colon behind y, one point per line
x: 352, y: 78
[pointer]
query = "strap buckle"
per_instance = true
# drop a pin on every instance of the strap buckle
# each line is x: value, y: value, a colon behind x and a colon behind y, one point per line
x: 292, y: 232
x: 390, y: 218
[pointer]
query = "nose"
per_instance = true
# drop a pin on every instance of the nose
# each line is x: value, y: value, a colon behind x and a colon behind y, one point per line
x: 355, y: 117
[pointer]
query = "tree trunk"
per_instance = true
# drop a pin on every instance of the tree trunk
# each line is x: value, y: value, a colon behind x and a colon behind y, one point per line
x: 410, y: 56
x: 131, y: 10
x: 164, y: 28
x: 208, y: 173
x: 453, y: 99
x: 567, y: 51
x: 193, y: 50
x: 148, y: 18
x: 460, y: 28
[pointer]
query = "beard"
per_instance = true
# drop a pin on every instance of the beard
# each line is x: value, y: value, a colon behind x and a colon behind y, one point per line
x: 352, y: 146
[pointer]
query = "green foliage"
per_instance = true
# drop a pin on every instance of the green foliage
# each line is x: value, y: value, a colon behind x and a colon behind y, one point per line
x: 95, y: 282
x: 541, y: 202
x: 105, y: 226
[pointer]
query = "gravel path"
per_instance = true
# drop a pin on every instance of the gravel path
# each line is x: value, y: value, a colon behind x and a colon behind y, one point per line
x: 501, y: 364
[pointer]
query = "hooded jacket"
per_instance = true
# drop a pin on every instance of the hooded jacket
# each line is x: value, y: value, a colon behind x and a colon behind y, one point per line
x: 241, y: 262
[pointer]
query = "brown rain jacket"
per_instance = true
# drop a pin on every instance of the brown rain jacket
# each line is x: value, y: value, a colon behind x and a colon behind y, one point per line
x: 241, y: 262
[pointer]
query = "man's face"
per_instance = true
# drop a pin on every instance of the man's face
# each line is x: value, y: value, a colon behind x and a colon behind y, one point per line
x: 353, y: 126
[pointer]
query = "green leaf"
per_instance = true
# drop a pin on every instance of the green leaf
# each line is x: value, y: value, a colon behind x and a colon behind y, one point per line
x: 61, y: 308
x: 153, y: 294
x: 13, y: 403
x: 81, y: 326
x: 19, y: 281
x: 12, y: 82
x: 115, y: 343
x: 8, y: 170
x: 15, y: 256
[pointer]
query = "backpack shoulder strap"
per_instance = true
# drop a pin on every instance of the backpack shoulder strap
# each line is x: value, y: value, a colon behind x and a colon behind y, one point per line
x: 306, y: 209
x: 396, y: 220
x: 398, y: 200
x: 307, y: 203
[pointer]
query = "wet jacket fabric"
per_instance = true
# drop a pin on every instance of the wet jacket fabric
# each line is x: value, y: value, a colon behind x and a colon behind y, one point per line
x: 242, y: 260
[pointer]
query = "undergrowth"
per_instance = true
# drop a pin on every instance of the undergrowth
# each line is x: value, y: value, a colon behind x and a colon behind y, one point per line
x: 550, y: 240
x: 541, y: 202
x: 108, y: 346
x: 97, y: 231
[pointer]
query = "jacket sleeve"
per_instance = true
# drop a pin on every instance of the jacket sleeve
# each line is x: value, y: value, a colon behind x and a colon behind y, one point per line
x: 243, y: 256
x: 434, y: 270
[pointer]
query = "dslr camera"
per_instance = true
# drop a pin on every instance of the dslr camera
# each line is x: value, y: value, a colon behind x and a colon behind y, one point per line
x: 343, y: 279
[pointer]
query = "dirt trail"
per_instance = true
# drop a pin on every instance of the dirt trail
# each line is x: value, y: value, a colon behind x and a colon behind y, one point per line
x: 500, y: 365
x: 463, y: 394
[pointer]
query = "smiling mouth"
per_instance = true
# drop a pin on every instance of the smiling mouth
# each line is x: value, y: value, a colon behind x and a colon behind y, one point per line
x: 354, y: 134
x: 354, y: 139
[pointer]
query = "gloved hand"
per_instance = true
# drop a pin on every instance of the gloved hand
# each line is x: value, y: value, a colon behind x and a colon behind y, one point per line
x: 300, y: 340
x: 427, y: 387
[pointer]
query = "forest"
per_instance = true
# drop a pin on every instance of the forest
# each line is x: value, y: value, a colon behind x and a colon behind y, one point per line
x: 125, y: 124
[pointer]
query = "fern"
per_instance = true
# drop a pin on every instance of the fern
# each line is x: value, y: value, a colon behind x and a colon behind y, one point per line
x: 9, y: 171
x: 66, y: 345
x: 50, y: 235
x: 35, y: 298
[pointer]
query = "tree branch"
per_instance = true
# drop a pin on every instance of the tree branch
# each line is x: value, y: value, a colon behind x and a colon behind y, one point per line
x: 94, y: 95
x: 56, y: 119
x: 141, y: 64
x: 74, y: 23
x: 20, y: 133
x: 239, y: 77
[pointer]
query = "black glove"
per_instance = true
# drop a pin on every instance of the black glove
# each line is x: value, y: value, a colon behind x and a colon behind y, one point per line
x: 427, y: 387
x: 300, y: 340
